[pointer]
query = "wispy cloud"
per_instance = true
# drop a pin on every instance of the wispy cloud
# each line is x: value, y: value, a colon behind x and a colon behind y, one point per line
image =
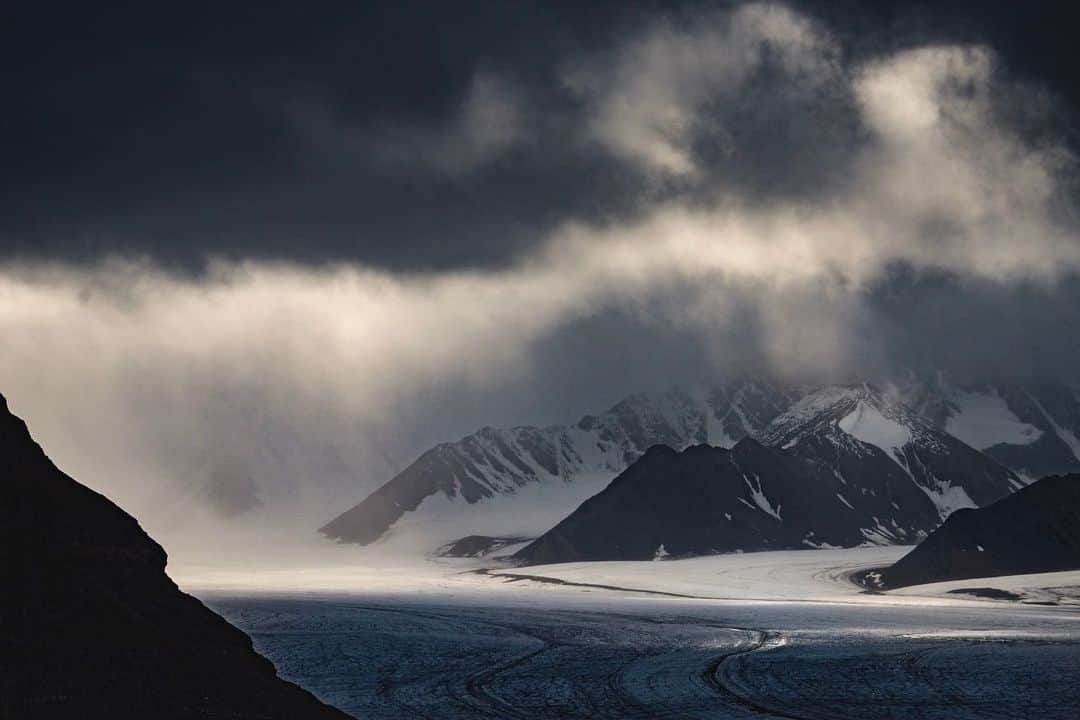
x: 658, y: 92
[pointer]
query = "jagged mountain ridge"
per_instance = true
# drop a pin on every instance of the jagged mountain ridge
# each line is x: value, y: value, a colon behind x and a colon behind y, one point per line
x: 90, y: 624
x: 487, y: 476
x: 850, y: 464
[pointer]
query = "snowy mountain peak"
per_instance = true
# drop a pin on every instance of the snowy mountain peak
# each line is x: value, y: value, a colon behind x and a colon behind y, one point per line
x: 858, y: 421
x: 517, y: 482
x: 862, y: 412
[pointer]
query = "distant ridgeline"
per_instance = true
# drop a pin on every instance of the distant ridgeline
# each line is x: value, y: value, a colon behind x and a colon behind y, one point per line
x: 92, y: 627
x: 887, y: 467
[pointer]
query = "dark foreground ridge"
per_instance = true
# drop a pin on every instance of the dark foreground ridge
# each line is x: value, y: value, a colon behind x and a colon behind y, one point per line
x: 1035, y: 530
x: 92, y: 627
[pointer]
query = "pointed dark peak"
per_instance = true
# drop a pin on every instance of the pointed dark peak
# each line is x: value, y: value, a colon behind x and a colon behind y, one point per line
x: 752, y: 450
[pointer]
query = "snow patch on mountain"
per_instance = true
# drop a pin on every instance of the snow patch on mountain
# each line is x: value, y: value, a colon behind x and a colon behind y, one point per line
x: 983, y: 419
x: 759, y: 497
x: 948, y: 498
x: 866, y: 424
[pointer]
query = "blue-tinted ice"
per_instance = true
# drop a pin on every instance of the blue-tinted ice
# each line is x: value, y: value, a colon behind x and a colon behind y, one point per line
x: 399, y: 658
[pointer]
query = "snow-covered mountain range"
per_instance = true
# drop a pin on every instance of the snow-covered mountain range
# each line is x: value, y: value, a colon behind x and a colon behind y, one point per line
x: 520, y: 482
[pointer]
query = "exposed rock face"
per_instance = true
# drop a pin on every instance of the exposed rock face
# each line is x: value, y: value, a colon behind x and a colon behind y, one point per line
x: 90, y: 624
x: 843, y: 467
x: 1037, y: 529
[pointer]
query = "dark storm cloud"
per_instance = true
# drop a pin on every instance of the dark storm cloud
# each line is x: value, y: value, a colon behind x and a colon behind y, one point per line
x: 344, y: 131
x: 174, y: 133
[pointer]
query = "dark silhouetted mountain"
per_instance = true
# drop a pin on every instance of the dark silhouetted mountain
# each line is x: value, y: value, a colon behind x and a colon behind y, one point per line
x: 844, y: 466
x: 1036, y: 529
x: 752, y: 497
x: 92, y: 627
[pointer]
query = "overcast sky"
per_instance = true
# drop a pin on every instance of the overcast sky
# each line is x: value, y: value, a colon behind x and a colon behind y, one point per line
x: 273, y: 252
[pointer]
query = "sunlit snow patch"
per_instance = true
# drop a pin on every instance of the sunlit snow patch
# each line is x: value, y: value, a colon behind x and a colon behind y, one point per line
x: 948, y: 498
x: 983, y: 420
x: 763, y: 502
x: 866, y: 424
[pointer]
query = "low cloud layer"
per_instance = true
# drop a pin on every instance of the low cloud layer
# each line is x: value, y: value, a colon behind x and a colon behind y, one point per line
x: 904, y: 215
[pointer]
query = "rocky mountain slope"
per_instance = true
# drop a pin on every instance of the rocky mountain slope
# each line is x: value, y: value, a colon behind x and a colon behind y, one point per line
x: 844, y: 466
x: 838, y: 426
x: 90, y: 624
x: 1037, y: 529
